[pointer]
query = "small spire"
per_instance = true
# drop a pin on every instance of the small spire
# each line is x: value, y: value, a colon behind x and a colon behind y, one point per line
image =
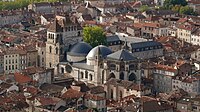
x: 126, y: 47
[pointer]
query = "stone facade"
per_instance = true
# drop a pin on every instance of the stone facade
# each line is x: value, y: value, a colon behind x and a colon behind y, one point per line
x: 62, y: 33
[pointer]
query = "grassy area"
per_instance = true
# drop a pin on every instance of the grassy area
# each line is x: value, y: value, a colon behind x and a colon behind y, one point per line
x: 21, y: 3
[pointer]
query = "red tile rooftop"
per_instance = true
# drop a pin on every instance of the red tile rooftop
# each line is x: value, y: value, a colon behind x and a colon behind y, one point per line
x: 21, y: 78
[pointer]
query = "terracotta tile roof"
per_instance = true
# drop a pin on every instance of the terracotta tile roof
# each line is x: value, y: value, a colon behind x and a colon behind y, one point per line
x: 72, y: 94
x: 165, y: 68
x: 93, y: 97
x: 33, y: 70
x: 31, y: 89
x: 47, y: 101
x: 8, y: 39
x: 21, y: 78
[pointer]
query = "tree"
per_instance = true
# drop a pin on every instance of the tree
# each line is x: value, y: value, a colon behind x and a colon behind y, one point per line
x: 186, y: 10
x: 94, y: 36
x: 143, y: 8
x: 168, y: 4
x: 176, y: 8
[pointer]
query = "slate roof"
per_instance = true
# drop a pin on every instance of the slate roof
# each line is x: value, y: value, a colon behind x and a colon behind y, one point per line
x: 113, y: 38
x: 83, y: 65
x: 145, y: 44
x: 121, y: 55
x: 80, y: 48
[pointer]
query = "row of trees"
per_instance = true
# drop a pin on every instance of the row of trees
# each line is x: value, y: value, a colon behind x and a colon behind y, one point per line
x: 179, y: 6
x: 17, y: 4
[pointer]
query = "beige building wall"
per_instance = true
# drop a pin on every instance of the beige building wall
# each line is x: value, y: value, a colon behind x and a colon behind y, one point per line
x: 184, y: 35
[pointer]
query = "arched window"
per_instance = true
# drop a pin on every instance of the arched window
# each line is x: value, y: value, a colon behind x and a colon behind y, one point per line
x: 49, y: 35
x: 50, y: 49
x: 79, y: 33
x: 121, y: 76
x: 86, y: 74
x: 82, y: 75
x: 56, y: 50
x: 111, y: 93
x: 102, y: 81
x: 50, y: 64
x: 62, y: 70
x: 91, y: 78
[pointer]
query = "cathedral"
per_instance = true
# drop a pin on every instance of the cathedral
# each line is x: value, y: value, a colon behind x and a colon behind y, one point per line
x: 66, y: 53
x: 99, y: 64
x: 61, y: 34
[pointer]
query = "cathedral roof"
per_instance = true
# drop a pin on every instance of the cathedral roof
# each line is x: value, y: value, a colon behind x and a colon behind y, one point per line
x: 121, y: 55
x: 80, y: 48
x: 104, y: 51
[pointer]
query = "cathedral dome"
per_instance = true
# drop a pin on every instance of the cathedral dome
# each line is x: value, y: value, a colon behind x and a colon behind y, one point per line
x: 103, y: 50
x: 78, y: 52
x: 80, y: 48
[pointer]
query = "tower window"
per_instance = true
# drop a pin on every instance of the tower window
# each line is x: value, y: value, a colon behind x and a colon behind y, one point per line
x: 50, y: 65
x: 56, y: 50
x: 50, y: 49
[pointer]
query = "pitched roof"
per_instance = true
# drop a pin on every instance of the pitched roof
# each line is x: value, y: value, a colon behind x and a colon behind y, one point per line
x: 145, y: 44
x: 55, y: 27
x: 72, y: 94
x: 121, y: 55
x: 21, y: 78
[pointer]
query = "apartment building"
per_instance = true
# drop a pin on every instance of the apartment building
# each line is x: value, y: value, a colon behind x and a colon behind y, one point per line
x: 14, y: 60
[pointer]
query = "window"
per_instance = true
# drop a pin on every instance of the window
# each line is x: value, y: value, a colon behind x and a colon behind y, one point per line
x: 81, y: 75
x: 86, y: 74
x: 42, y: 59
x: 13, y: 67
x: 42, y: 52
x: 9, y: 67
x: 49, y: 64
x: 91, y: 78
x: 111, y: 93
x: 50, y: 48
x: 56, y: 50
x: 6, y: 68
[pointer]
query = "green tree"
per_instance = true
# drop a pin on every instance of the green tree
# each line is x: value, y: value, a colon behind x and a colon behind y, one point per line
x: 186, y: 10
x: 170, y: 3
x: 176, y: 8
x: 143, y: 8
x: 94, y: 36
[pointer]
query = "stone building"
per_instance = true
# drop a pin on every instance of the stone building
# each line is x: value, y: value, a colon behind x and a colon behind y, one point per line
x: 41, y: 48
x: 117, y: 89
x: 99, y: 64
x: 61, y: 34
x: 14, y: 60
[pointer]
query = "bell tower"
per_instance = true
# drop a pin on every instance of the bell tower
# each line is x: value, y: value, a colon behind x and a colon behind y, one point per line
x: 54, y: 46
